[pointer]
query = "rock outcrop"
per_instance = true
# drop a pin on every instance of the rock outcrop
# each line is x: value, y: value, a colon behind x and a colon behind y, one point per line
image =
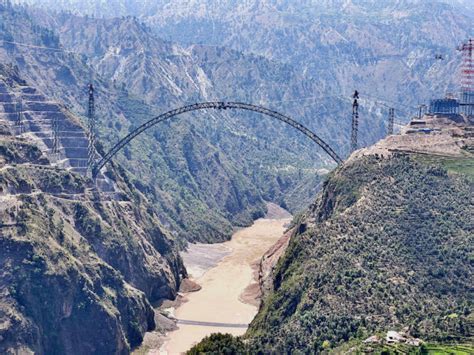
x: 79, y: 268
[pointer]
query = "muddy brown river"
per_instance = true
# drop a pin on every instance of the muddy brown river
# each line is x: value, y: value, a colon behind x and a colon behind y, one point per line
x: 223, y: 271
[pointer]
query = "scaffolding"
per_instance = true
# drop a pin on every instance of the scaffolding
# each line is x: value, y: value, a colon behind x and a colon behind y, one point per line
x: 19, y: 118
x: 55, y: 134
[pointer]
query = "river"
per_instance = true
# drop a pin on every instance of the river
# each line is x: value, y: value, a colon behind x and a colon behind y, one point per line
x: 224, y: 271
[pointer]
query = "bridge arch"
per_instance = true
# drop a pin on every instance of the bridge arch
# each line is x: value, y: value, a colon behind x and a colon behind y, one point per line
x: 217, y: 105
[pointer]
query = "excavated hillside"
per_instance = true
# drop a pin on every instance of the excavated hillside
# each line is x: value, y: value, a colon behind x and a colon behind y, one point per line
x: 79, y: 268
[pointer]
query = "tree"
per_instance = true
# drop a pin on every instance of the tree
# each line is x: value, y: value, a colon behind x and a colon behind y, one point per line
x: 219, y: 344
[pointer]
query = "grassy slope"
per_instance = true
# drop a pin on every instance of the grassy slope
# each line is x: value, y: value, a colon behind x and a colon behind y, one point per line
x: 386, y: 245
x: 356, y: 346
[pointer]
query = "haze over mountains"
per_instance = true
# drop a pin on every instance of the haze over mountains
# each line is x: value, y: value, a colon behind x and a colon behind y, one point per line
x: 321, y: 51
x: 198, y: 177
x: 384, y: 46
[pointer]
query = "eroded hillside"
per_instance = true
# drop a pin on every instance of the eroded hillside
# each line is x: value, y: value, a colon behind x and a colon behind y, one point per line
x: 79, y: 268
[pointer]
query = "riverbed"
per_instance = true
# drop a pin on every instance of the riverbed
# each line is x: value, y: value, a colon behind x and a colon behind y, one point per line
x: 224, y: 271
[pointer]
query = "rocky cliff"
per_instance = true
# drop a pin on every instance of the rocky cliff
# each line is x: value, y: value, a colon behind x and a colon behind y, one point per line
x: 79, y: 267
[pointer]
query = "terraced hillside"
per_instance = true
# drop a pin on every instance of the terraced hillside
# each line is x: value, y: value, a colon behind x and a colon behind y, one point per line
x: 30, y: 114
x: 79, y: 268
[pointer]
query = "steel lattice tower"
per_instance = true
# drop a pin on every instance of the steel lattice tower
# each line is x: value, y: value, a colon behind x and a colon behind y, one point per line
x: 467, y: 77
x: 19, y: 119
x: 55, y: 132
x: 91, y: 129
x: 391, y: 119
x: 355, y: 121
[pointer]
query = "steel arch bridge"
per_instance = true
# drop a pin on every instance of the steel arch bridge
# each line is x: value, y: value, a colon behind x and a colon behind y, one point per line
x: 217, y: 105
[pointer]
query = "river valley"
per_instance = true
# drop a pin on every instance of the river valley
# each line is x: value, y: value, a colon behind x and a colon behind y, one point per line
x: 226, y: 272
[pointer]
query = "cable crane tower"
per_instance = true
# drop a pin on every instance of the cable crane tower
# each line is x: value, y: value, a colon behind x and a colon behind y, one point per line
x: 391, y: 119
x: 421, y: 110
x: 467, y: 77
x: 355, y: 121
x: 19, y: 118
x: 91, y: 130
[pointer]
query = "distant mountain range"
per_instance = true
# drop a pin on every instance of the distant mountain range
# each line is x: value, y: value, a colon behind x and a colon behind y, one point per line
x: 302, y: 59
x: 384, y: 48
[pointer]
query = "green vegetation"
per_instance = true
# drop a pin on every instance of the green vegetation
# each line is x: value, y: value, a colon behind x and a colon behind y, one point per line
x: 438, y: 349
x: 387, y: 245
x: 218, y: 343
x: 358, y: 347
x: 460, y: 166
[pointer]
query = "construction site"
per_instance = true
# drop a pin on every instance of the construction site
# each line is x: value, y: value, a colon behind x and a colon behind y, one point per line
x: 443, y: 127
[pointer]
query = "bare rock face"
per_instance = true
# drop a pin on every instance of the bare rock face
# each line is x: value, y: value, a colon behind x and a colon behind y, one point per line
x: 188, y: 285
x: 78, y: 268
x: 60, y: 306
x: 268, y: 263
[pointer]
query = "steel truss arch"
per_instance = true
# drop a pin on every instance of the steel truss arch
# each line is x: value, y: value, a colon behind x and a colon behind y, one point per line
x: 217, y: 105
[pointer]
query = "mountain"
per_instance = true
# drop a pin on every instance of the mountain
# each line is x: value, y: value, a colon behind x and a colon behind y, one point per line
x: 386, y: 245
x: 361, y: 268
x: 79, y: 269
x: 138, y: 74
x: 278, y: 162
x: 384, y: 49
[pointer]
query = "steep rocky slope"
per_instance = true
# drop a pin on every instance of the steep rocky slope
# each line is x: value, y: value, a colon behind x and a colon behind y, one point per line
x: 79, y: 268
x: 382, y: 48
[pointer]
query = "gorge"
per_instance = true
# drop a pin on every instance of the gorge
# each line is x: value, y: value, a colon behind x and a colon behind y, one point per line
x: 182, y: 233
